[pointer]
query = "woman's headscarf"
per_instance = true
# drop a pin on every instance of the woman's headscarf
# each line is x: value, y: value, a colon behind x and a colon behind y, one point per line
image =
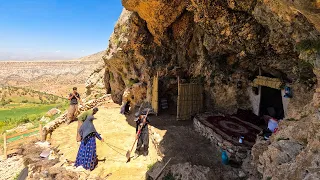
x: 87, y: 127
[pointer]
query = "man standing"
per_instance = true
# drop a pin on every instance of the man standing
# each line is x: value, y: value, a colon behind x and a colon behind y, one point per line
x: 143, y: 139
x: 74, y: 98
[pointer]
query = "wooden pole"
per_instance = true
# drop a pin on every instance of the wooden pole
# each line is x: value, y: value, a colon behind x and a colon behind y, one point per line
x: 162, y: 169
x: 5, y: 145
x: 259, y: 87
x: 44, y: 135
x: 260, y: 73
x: 50, y: 135
x: 40, y: 131
x: 157, y: 94
x: 178, y: 100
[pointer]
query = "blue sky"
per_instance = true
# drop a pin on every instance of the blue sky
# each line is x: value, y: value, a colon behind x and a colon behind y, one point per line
x: 55, y: 29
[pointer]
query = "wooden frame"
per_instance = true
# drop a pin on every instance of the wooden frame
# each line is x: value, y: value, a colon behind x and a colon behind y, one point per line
x: 5, y: 138
x: 155, y: 94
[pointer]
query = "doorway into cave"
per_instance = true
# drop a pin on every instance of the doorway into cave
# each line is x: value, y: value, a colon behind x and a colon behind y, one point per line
x: 271, y: 97
x: 167, y: 97
x: 175, y: 96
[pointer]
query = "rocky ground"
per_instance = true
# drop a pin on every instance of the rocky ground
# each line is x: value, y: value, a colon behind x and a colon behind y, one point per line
x: 291, y: 153
x: 224, y: 45
x: 192, y: 156
x: 118, y: 134
x: 171, y: 140
x: 9, y: 169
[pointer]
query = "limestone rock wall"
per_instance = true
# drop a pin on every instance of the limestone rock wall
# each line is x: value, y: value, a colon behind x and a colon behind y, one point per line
x: 220, y: 43
x: 292, y: 152
x: 223, y: 44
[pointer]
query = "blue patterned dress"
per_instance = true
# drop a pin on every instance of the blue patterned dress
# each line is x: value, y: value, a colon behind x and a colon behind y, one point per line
x: 87, y: 155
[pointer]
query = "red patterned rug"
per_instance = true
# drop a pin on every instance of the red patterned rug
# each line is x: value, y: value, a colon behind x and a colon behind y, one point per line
x: 231, y: 128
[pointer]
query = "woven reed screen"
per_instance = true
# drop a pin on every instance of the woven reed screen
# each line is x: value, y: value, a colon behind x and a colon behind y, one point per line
x: 190, y: 100
x: 268, y: 82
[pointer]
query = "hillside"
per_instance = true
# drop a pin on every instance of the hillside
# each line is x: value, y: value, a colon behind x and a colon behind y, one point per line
x: 97, y: 57
x: 24, y: 95
x: 20, y: 105
x: 54, y: 77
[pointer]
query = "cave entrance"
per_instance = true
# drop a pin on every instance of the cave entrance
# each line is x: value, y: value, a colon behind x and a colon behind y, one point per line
x: 163, y: 96
x: 184, y: 98
x: 271, y: 98
x: 267, y: 92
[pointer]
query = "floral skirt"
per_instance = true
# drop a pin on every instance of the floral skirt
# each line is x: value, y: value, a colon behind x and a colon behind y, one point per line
x: 87, y: 155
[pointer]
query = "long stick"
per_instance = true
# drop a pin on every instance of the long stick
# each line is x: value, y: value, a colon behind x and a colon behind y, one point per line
x: 137, y: 137
x: 40, y: 131
x: 129, y: 152
x: 162, y: 169
x: 145, y: 118
x: 134, y: 142
x: 5, y: 145
x: 141, y: 107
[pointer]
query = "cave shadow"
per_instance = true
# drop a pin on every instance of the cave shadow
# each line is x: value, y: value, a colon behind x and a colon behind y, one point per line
x: 182, y: 144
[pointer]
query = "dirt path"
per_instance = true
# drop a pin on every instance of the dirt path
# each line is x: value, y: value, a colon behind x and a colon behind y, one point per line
x: 116, y: 131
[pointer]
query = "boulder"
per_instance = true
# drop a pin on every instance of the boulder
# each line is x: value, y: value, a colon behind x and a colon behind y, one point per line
x: 53, y: 112
x: 45, y: 119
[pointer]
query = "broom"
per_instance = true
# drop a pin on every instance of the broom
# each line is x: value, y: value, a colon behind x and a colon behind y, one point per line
x: 137, y: 137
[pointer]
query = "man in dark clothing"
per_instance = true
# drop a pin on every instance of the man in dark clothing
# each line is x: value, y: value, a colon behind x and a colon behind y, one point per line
x: 74, y: 98
x: 143, y: 139
x: 127, y: 107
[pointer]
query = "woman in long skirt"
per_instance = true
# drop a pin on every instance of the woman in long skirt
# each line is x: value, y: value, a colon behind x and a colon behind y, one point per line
x: 87, y: 155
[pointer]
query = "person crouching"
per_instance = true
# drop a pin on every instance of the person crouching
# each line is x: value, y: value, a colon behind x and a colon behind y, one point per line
x: 272, y: 123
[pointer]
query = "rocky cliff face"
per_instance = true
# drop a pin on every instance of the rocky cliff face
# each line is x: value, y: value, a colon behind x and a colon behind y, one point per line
x: 292, y: 153
x: 223, y: 44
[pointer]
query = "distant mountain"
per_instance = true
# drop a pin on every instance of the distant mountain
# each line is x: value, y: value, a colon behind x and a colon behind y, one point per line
x: 50, y: 76
x: 94, y: 57
x: 7, y: 56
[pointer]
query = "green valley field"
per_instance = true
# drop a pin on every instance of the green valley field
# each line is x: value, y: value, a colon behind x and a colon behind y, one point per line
x: 20, y: 105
